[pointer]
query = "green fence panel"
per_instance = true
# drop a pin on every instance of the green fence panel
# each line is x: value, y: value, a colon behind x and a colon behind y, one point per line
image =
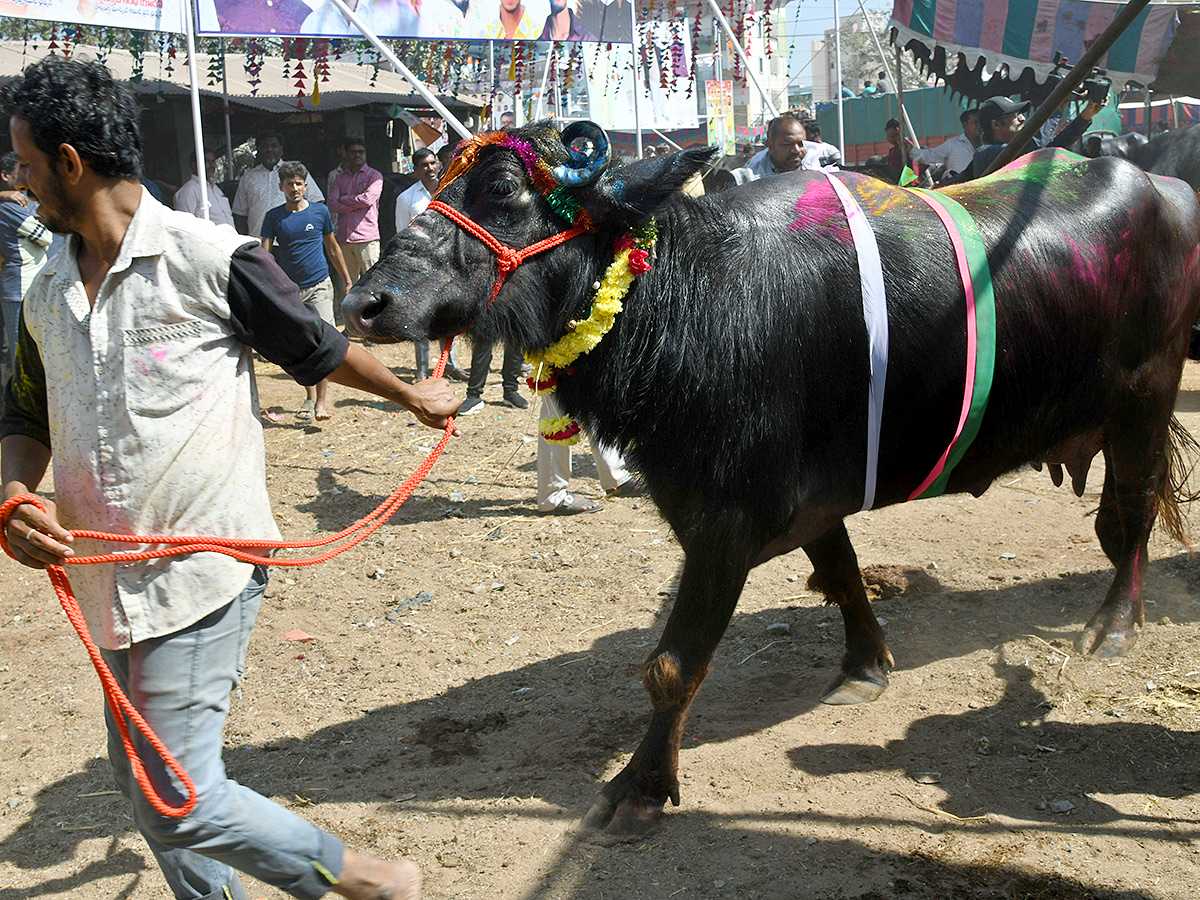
x: 933, y: 111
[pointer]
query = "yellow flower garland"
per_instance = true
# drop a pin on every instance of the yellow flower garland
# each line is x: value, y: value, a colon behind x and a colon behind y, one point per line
x: 588, y: 333
x: 585, y: 336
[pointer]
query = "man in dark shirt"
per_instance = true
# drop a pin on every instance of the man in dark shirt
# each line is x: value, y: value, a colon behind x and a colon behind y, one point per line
x: 895, y: 156
x: 1001, y: 118
x: 301, y: 233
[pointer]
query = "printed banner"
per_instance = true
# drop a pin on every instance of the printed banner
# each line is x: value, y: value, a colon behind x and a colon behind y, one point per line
x: 718, y: 99
x: 1029, y: 33
x: 607, y: 21
x: 665, y: 107
x: 138, y: 15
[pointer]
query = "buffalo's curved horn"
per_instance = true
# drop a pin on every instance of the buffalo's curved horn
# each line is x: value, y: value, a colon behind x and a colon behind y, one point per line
x: 583, y: 166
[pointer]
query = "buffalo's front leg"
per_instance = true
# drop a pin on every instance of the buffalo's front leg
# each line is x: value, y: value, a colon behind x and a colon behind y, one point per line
x: 713, y: 575
x: 865, y: 666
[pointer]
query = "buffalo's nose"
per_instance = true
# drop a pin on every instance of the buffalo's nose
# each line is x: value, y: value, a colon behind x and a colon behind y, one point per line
x: 363, y: 308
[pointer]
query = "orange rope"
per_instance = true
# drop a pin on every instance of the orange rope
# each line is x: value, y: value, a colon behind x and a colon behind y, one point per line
x: 120, y: 705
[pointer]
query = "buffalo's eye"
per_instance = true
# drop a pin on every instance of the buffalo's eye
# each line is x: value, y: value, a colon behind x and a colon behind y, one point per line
x: 505, y: 188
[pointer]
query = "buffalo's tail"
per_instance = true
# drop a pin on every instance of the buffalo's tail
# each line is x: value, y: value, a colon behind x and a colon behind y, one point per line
x: 1183, y: 453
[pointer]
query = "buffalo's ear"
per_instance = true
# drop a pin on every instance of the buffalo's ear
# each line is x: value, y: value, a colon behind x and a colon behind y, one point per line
x: 633, y: 193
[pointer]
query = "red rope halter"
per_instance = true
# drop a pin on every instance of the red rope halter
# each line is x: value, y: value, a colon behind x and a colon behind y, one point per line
x: 507, y: 258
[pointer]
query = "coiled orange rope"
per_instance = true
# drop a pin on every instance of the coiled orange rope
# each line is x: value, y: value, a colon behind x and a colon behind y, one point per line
x: 120, y: 705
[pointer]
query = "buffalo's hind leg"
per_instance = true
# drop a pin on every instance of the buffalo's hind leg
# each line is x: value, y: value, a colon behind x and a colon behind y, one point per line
x: 714, y: 572
x: 865, y: 665
x: 1136, y: 470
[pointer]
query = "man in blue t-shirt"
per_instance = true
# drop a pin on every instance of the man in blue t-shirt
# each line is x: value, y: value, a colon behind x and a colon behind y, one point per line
x: 300, y: 233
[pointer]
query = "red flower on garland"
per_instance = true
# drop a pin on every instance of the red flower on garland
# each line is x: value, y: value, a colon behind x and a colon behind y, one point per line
x: 639, y: 261
x: 546, y: 384
x: 565, y: 434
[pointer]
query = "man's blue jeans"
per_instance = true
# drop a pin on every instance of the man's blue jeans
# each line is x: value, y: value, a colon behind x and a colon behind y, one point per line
x: 181, y: 684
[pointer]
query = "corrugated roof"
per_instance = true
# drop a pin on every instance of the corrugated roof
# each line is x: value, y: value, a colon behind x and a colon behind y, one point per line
x: 349, y: 84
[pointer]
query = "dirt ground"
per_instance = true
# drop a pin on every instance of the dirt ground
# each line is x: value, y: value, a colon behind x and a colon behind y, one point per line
x: 473, y: 680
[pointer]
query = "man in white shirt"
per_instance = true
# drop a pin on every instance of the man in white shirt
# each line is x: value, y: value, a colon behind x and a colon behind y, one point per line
x: 134, y: 376
x: 787, y: 150
x: 187, y: 198
x: 955, y: 154
x: 259, y: 190
x: 410, y: 204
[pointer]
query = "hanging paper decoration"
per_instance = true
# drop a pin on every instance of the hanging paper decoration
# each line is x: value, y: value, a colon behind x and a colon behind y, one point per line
x: 767, y: 27
x: 53, y: 39
x: 321, y: 61
x: 254, y: 64
x: 106, y: 45
x: 137, y: 49
x: 298, y: 47
x: 216, y: 67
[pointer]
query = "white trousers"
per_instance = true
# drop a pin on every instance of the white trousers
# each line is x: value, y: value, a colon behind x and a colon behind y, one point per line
x: 554, y: 464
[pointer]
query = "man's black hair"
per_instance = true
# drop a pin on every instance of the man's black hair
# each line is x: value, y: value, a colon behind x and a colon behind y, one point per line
x: 354, y: 142
x: 266, y: 136
x: 812, y: 128
x: 289, y: 170
x: 8, y: 162
x: 893, y: 122
x: 419, y: 155
x: 776, y: 123
x: 65, y: 101
x: 967, y: 114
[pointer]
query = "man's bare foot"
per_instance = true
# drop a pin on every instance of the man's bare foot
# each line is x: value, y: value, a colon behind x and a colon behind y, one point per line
x: 366, y: 878
x: 323, y: 414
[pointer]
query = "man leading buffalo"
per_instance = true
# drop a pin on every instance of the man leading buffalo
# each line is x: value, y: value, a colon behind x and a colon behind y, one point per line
x: 134, y: 377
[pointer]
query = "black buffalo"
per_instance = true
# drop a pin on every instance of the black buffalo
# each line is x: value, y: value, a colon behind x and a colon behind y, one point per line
x: 736, y: 377
x: 1176, y: 153
x: 1124, y: 145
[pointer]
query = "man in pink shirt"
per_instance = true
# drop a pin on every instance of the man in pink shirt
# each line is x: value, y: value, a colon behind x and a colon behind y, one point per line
x: 354, y: 196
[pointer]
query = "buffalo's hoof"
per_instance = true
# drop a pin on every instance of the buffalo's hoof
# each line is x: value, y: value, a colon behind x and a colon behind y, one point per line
x: 1105, y: 643
x: 846, y: 690
x: 625, y: 818
x: 625, y: 809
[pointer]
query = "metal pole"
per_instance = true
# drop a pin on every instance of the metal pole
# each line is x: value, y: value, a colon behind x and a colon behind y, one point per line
x: 197, y: 131
x: 637, y: 81
x: 718, y: 54
x: 741, y: 53
x: 225, y: 108
x: 1070, y: 81
x: 400, y: 67
x: 545, y: 79
x: 667, y: 139
x: 837, y: 52
x: 493, y: 80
